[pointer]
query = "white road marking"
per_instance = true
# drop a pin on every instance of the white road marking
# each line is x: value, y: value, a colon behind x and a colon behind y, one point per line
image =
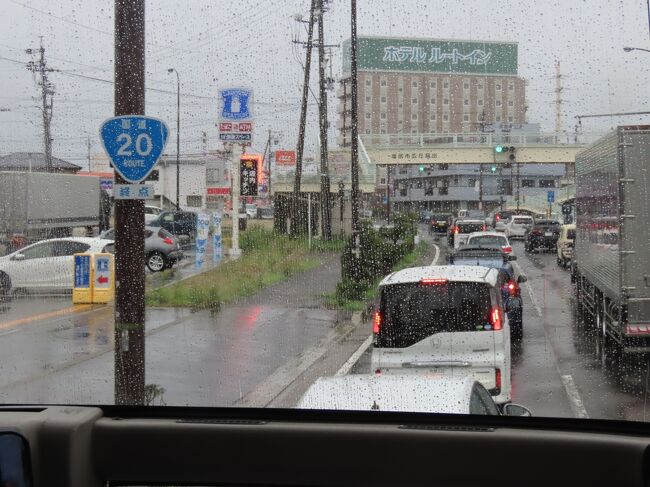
x: 435, y: 258
x: 575, y: 400
x: 349, y: 363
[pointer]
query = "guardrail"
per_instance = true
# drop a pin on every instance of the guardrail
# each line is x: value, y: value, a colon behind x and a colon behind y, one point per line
x: 374, y: 141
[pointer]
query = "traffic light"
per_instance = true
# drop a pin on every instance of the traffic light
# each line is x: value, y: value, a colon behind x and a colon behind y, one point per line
x: 500, y: 148
x: 421, y: 168
x: 493, y: 168
x: 504, y: 149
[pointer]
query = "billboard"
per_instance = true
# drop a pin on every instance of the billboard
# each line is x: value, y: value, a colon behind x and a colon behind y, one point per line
x: 285, y: 157
x: 432, y: 56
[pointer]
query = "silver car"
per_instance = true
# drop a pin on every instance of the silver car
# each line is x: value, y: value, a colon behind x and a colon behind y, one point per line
x: 161, y: 248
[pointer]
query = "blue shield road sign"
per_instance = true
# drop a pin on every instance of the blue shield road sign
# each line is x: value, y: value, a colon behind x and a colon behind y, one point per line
x: 134, y: 144
x: 550, y: 196
x: 235, y: 104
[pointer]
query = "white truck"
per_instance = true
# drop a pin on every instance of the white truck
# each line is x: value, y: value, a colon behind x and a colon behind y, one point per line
x: 35, y: 205
x: 611, y: 258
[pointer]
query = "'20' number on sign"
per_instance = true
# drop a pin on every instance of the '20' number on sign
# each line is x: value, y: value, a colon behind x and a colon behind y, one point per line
x: 143, y: 145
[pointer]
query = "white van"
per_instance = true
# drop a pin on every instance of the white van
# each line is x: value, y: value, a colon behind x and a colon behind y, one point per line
x: 444, y: 320
x: 565, y: 244
x: 518, y: 225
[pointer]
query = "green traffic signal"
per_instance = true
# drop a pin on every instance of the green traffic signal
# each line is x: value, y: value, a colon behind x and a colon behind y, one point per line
x: 499, y: 149
x: 421, y: 168
x: 493, y: 168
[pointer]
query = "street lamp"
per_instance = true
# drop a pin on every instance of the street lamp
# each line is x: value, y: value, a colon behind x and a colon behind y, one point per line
x: 628, y: 49
x: 178, y: 137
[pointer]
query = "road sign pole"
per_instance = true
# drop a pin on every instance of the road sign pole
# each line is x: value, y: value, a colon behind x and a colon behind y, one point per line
x: 129, y: 214
x: 236, y: 167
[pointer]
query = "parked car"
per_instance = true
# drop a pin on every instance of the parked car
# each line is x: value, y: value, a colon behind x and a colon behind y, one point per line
x: 151, y: 213
x: 181, y: 224
x: 251, y: 211
x: 463, y: 228
x: 565, y: 244
x: 161, y: 249
x: 439, y: 223
x: 509, y: 284
x: 443, y: 320
x: 265, y: 213
x: 490, y: 238
x: 417, y: 393
x: 47, y: 265
x: 543, y: 234
x: 517, y: 226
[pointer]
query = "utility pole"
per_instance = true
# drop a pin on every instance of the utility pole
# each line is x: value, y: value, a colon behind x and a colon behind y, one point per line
x: 47, y: 89
x: 480, y: 186
x: 88, y: 144
x: 518, y: 181
x: 355, y: 131
x: 129, y: 214
x: 303, y: 121
x: 388, y: 171
x: 326, y: 217
x: 178, y: 138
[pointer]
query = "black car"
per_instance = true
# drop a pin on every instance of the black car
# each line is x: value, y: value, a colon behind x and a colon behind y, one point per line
x: 182, y: 224
x: 439, y: 223
x: 543, y: 234
x: 493, y: 256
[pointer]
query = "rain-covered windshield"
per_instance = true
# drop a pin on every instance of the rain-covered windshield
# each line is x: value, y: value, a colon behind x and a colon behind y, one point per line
x: 289, y: 159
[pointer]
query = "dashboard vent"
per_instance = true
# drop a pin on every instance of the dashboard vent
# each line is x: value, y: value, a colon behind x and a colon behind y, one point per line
x: 445, y: 427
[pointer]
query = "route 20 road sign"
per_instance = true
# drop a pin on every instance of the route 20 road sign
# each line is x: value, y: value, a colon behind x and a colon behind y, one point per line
x: 134, y: 144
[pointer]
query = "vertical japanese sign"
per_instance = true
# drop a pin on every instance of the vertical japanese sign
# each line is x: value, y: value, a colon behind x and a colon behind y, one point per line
x: 248, y: 182
x: 216, y: 237
x: 202, y: 230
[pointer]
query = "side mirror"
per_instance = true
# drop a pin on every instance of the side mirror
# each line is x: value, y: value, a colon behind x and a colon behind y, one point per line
x: 18, y: 257
x: 521, y: 279
x: 511, y: 409
x: 512, y: 257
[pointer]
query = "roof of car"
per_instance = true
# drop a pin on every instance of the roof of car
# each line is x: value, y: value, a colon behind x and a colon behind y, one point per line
x: 415, y: 393
x: 471, y: 220
x: 458, y: 273
x: 486, y: 234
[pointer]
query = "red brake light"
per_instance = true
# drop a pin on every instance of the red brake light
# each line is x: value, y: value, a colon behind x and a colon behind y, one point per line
x: 484, y: 227
x: 507, y: 249
x: 495, y: 318
x: 456, y: 230
x: 433, y: 281
x: 376, y: 322
x: 498, y: 218
x: 497, y: 379
x: 168, y: 240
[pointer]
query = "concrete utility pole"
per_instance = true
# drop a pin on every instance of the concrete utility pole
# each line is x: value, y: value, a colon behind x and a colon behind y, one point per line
x: 178, y: 138
x: 303, y: 122
x: 355, y: 130
x: 47, y: 89
x: 326, y: 216
x: 129, y: 214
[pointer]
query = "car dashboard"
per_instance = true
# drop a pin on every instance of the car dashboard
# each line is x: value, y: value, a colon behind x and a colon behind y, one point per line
x: 100, y: 446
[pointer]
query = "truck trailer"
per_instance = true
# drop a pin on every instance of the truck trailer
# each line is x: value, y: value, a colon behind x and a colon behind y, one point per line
x: 611, y: 259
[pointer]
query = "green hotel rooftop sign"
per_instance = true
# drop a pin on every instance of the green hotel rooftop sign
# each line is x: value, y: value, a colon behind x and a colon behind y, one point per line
x: 432, y: 56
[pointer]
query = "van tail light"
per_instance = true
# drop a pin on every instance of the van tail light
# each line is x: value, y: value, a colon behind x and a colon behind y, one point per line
x: 168, y: 240
x: 496, y: 318
x: 456, y: 230
x: 376, y: 322
x: 497, y: 381
x: 507, y: 249
x: 484, y: 227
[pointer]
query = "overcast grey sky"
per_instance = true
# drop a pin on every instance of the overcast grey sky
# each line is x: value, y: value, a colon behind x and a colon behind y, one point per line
x: 221, y: 43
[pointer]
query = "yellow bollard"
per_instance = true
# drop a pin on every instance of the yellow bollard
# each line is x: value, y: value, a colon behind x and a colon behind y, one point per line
x: 82, y: 289
x: 103, y: 283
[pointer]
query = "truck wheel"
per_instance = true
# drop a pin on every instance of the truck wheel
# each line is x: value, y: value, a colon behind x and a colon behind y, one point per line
x: 156, y: 262
x: 5, y: 287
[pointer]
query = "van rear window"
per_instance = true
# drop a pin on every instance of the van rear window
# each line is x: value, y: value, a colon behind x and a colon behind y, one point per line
x: 412, y: 312
x: 470, y: 227
x: 523, y: 220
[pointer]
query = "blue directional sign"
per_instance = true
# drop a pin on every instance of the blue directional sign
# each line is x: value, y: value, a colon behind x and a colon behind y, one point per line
x: 550, y: 196
x: 134, y: 143
x: 82, y: 270
x: 235, y: 104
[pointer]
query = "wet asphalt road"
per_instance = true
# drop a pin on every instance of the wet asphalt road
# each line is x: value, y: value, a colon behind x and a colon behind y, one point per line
x: 249, y: 352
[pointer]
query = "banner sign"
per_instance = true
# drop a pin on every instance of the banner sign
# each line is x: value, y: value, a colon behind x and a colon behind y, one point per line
x: 202, y: 230
x: 216, y: 238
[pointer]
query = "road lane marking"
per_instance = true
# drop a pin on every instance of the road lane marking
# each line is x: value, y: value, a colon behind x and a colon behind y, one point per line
x: 435, y: 258
x: 349, y: 363
x: 529, y: 289
x: 45, y: 316
x: 575, y: 401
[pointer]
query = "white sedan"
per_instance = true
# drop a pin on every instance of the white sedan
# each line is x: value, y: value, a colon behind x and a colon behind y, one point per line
x: 408, y: 393
x: 46, y: 265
